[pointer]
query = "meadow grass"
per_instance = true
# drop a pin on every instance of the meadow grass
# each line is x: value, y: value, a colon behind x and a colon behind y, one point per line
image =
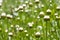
x: 30, y: 20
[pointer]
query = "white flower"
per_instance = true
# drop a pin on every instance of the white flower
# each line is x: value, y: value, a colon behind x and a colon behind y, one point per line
x: 21, y: 29
x: 48, y: 10
x: 27, y: 34
x: 20, y: 7
x: 26, y: 10
x: 38, y: 17
x: 37, y: 33
x: 39, y: 27
x: 16, y: 25
x: 58, y: 7
x: 42, y: 5
x: 1, y: 2
x: 6, y: 30
x: 9, y: 16
x: 12, y: 25
x: 15, y: 14
x: 56, y: 14
x: 18, y: 18
x: 3, y: 14
x: 41, y: 13
x: 30, y: 24
x: 36, y: 0
x: 25, y: 31
x: 30, y: 3
x: 46, y: 17
x: 16, y: 9
x: 10, y: 33
x: 17, y: 29
x: 24, y: 5
x: 26, y: 2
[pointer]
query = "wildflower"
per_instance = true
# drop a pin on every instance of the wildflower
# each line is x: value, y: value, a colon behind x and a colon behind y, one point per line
x: 6, y: 30
x: 25, y: 31
x: 26, y: 2
x: 46, y: 17
x: 58, y: 7
x: 40, y: 27
x: 30, y: 4
x: 1, y: 2
x: 37, y: 34
x: 20, y: 28
x: 27, y: 34
x: 30, y: 24
x: 3, y: 14
x: 10, y: 34
x: 9, y: 16
x: 41, y: 14
x: 24, y: 5
x: 20, y: 7
x: 57, y: 18
x: 48, y: 11
x: 36, y: 1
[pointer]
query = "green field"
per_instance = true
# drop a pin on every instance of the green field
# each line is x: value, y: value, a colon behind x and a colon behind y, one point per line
x: 30, y: 20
